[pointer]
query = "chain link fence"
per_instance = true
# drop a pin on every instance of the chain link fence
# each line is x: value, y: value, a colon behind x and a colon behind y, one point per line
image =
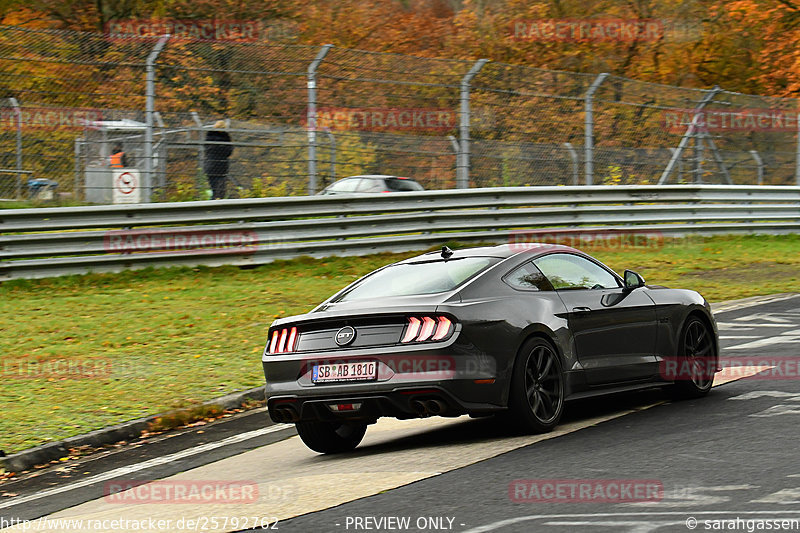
x: 297, y: 118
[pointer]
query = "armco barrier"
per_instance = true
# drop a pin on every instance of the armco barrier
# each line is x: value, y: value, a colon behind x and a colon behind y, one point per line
x: 73, y: 240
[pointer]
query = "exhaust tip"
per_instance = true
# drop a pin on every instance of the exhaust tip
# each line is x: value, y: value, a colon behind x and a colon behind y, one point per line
x: 436, y: 407
x: 419, y: 407
x: 284, y: 415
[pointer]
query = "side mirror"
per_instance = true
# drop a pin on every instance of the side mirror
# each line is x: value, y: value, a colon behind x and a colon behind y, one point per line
x: 632, y: 280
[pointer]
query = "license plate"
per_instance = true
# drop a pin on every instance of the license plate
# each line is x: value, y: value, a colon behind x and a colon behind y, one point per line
x: 362, y: 371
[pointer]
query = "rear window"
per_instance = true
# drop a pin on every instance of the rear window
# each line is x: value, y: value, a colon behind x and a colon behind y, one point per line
x: 399, y: 184
x: 409, y: 279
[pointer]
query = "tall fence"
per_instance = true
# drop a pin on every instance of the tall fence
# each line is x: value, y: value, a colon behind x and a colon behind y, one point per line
x: 300, y: 117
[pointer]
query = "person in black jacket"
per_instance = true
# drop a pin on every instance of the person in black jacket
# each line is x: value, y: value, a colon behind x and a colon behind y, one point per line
x: 216, y: 159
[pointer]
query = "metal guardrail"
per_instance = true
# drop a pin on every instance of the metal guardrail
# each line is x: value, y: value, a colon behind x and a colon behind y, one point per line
x: 74, y: 240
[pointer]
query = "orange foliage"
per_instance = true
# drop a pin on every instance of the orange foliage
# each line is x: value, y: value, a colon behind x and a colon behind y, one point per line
x: 741, y: 45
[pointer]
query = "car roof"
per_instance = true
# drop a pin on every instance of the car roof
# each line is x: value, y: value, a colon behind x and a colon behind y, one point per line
x: 501, y: 250
x: 378, y: 176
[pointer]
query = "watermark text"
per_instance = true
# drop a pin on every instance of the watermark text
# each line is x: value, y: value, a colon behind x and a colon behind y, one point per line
x: 585, y: 490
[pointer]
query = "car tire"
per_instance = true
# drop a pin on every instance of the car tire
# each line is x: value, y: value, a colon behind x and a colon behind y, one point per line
x: 331, y: 437
x: 696, y: 361
x: 536, y: 398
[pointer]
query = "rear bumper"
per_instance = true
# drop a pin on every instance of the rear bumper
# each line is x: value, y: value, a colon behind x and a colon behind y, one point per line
x: 462, y: 383
x: 413, y: 402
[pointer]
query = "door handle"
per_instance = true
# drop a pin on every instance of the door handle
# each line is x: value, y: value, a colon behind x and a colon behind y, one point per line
x: 581, y: 310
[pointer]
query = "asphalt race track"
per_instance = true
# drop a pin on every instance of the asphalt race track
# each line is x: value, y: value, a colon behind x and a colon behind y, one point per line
x: 728, y: 462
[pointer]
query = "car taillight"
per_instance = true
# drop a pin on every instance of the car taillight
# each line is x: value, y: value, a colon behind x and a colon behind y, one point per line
x: 427, y: 328
x: 442, y: 328
x: 283, y: 340
x: 412, y: 330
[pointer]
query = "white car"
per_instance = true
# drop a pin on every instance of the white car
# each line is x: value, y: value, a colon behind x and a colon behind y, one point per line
x: 372, y: 183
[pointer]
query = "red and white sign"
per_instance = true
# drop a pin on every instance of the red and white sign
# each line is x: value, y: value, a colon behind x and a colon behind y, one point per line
x: 127, y: 186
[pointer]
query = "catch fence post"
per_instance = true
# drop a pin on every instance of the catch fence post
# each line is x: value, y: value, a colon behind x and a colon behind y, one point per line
x: 462, y: 165
x: 18, y: 117
x: 150, y: 105
x: 311, y: 118
x: 588, y: 128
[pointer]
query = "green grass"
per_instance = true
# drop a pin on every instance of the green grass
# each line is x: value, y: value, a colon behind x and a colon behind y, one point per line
x: 34, y: 203
x: 155, y: 340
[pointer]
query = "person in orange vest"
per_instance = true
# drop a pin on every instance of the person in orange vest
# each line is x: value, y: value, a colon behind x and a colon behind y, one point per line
x: 118, y: 157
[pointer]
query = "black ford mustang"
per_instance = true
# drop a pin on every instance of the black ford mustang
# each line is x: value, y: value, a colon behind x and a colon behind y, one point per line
x: 507, y: 330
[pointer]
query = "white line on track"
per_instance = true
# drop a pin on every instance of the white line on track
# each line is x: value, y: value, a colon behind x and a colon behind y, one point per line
x: 130, y: 469
x: 753, y: 301
x: 511, y: 521
x: 790, y: 337
x: 734, y: 325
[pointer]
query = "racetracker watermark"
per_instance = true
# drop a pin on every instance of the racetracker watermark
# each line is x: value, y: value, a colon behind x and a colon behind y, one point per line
x: 49, y: 118
x: 586, y: 240
x: 385, y: 119
x: 180, y: 491
x: 761, y: 368
x: 756, y: 120
x: 413, y: 367
x: 202, y: 30
x: 181, y: 241
x: 55, y: 369
x: 585, y: 490
x: 605, y: 30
